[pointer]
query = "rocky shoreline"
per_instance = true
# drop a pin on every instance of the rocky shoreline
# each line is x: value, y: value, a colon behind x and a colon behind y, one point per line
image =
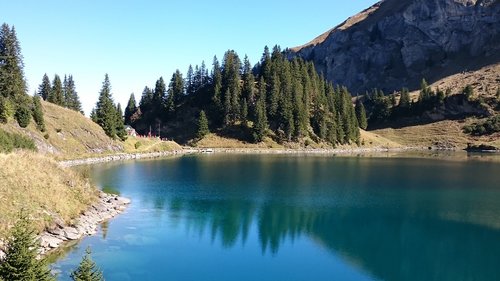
x: 123, y: 156
x: 105, y: 208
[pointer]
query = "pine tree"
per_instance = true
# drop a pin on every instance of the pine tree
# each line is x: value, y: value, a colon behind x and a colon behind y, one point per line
x: 23, y: 115
x: 93, y: 115
x: 405, y: 101
x: 105, y: 111
x: 72, y: 100
x: 361, y: 114
x: 38, y: 113
x: 56, y: 95
x: 87, y: 270
x: 6, y: 109
x: 130, y: 109
x: 12, y: 82
x: 260, y: 125
x: 175, y: 92
x: 20, y: 262
x: 159, y: 96
x: 45, y: 88
x: 120, y: 126
x: 202, y: 125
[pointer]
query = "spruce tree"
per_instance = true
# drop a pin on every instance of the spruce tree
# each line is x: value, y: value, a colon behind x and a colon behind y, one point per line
x: 130, y: 109
x: 361, y: 114
x: 202, y: 125
x: 87, y: 270
x: 105, y: 111
x: 38, y: 113
x: 56, y: 95
x: 20, y: 262
x: 260, y: 125
x: 72, y: 100
x: 45, y: 88
x: 404, y: 101
x: 120, y: 127
x: 12, y: 82
x: 23, y: 115
x: 6, y: 109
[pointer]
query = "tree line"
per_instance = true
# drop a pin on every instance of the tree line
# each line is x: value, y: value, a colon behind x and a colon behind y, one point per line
x: 280, y: 98
x: 14, y: 101
x: 382, y: 108
x: 61, y: 93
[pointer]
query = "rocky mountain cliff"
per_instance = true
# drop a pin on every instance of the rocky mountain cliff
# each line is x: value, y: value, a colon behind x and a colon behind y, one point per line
x: 396, y: 43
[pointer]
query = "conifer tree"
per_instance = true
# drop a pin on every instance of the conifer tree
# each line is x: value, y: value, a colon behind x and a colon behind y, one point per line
x: 56, y: 95
x: 45, y: 88
x: 405, y: 101
x: 105, y: 111
x: 202, y: 125
x: 20, y: 262
x: 175, y: 92
x: 260, y: 124
x: 93, y: 115
x: 217, y: 85
x: 130, y: 109
x: 120, y: 127
x: 12, y: 82
x: 72, y: 100
x: 38, y: 113
x: 6, y: 109
x: 87, y: 270
x: 361, y: 114
x: 23, y: 115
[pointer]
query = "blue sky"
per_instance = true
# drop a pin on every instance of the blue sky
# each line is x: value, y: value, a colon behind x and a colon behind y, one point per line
x: 136, y: 42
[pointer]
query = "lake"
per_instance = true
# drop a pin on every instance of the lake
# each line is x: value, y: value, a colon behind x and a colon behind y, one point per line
x: 298, y: 217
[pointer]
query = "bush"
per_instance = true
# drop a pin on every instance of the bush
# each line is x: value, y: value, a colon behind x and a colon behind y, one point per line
x: 9, y: 142
x: 38, y: 113
x: 488, y: 127
x: 137, y: 145
x: 23, y: 116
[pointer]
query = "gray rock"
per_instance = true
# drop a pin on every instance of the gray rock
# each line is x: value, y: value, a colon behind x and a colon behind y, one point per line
x: 396, y: 43
x: 71, y: 233
x: 49, y: 241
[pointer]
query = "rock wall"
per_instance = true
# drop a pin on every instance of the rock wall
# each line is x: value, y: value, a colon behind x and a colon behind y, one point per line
x: 396, y: 43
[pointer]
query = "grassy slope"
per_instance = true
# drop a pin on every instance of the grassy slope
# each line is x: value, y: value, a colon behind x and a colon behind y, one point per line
x: 70, y: 134
x: 37, y: 184
x: 448, y: 133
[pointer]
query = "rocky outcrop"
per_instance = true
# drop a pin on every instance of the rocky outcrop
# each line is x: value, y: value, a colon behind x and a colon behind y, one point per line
x: 396, y: 43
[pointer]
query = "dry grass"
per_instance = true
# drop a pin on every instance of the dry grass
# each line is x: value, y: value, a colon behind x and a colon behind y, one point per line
x: 37, y: 184
x: 216, y: 141
x: 369, y: 139
x: 69, y: 134
x: 146, y: 145
x: 446, y: 134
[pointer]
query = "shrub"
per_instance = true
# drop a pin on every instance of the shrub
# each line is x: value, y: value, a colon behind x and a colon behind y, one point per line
x: 23, y: 116
x: 9, y: 142
x: 488, y: 127
x: 137, y: 145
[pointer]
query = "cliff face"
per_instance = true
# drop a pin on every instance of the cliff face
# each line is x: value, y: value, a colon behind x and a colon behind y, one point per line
x: 396, y: 43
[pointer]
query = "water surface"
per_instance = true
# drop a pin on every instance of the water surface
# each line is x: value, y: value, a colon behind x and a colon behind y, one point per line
x: 291, y: 217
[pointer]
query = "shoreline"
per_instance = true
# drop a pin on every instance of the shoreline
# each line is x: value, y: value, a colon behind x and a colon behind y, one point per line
x: 105, y: 208
x: 122, y: 157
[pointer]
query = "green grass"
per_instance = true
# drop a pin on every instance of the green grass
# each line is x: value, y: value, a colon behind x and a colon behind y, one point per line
x: 12, y: 141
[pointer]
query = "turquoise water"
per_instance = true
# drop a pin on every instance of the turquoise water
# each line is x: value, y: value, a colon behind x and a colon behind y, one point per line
x: 279, y: 217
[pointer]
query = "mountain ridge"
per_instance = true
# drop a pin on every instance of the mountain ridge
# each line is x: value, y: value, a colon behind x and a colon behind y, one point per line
x: 394, y: 44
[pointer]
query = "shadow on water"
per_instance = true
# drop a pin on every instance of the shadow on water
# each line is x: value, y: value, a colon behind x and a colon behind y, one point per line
x: 404, y: 219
